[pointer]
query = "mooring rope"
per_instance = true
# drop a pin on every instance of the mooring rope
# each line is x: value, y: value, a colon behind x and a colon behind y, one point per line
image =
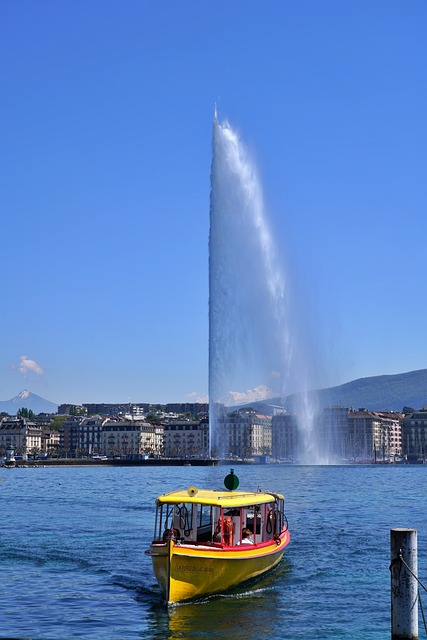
x: 422, y: 611
x: 400, y: 557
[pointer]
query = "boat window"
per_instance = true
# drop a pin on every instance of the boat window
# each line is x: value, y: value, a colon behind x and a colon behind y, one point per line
x: 164, y: 519
x: 271, y: 520
x: 169, y: 516
x: 205, y: 515
x: 183, y: 518
x: 280, y: 515
x: 204, y: 522
x: 253, y: 519
x: 158, y: 522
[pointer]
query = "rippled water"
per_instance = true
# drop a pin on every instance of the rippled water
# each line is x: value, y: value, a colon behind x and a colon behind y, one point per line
x: 72, y: 561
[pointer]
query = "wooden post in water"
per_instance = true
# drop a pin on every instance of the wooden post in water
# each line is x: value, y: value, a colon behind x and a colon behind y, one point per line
x: 404, y: 586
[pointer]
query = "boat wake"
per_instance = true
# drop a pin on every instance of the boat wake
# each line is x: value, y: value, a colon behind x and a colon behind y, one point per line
x: 255, y: 588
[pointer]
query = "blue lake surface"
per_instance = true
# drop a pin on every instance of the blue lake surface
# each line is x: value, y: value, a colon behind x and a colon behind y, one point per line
x: 72, y: 561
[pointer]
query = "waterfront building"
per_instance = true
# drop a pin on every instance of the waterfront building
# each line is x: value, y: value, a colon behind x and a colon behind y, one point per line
x: 333, y: 436
x: 391, y: 434
x: 284, y: 435
x: 363, y: 435
x: 186, y: 438
x: 374, y: 435
x: 130, y: 438
x: 245, y: 433
x: 69, y: 442
x: 414, y: 435
x: 50, y: 441
x: 21, y: 435
x: 89, y: 435
x: 96, y: 435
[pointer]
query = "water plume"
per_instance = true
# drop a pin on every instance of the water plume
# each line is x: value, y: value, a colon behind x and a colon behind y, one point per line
x: 253, y: 336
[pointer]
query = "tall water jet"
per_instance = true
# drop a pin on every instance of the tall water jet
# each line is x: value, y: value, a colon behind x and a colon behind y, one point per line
x: 247, y: 292
x: 255, y: 351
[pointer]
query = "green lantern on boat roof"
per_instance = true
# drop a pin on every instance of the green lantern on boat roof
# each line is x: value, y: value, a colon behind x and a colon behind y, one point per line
x: 231, y: 481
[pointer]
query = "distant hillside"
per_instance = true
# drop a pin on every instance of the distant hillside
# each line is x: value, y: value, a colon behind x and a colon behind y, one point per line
x: 391, y: 392
x: 380, y: 392
x: 30, y: 401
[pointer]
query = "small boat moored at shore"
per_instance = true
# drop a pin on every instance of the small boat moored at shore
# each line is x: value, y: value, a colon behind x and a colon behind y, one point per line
x: 207, y: 541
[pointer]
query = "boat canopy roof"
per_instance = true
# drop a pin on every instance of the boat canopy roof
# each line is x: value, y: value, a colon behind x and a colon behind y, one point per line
x: 218, y: 498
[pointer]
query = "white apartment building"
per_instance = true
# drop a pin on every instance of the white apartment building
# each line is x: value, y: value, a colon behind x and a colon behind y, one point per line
x: 374, y: 434
x: 131, y: 438
x: 186, y: 438
x: 244, y: 434
x: 21, y: 435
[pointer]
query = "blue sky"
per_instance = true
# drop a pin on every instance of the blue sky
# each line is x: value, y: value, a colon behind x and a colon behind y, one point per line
x: 106, y: 116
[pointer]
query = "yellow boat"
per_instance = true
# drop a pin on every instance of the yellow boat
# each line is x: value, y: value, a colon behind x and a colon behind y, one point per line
x: 207, y: 541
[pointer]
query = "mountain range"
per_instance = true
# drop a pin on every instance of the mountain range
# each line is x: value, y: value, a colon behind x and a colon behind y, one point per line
x: 380, y: 393
x: 376, y: 393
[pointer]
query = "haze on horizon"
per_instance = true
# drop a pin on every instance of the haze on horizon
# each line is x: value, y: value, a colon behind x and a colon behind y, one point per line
x: 105, y: 186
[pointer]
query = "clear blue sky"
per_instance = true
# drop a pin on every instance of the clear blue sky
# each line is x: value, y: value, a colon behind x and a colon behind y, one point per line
x: 106, y: 111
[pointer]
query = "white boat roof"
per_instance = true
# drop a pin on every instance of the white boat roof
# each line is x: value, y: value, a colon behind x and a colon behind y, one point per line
x: 223, y: 498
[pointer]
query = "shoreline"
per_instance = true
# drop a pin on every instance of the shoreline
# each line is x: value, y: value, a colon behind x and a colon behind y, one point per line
x: 82, y: 462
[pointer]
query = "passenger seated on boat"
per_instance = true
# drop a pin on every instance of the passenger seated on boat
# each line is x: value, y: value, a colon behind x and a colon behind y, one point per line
x: 247, y: 537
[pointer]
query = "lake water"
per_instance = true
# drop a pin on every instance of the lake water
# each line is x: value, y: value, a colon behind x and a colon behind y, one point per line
x: 72, y: 560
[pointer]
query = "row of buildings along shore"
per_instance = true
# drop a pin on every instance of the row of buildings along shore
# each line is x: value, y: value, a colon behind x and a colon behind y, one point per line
x: 182, y: 431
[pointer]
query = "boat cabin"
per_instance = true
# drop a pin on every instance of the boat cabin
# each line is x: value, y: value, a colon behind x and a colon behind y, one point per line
x: 219, y: 519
